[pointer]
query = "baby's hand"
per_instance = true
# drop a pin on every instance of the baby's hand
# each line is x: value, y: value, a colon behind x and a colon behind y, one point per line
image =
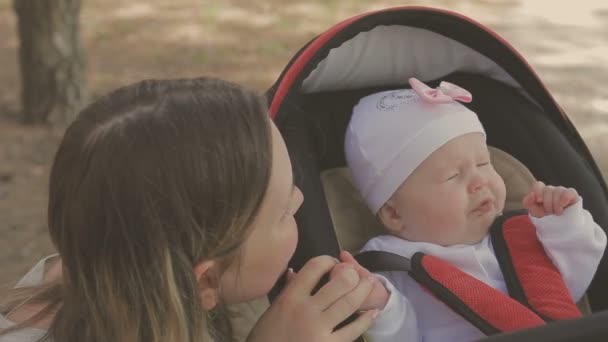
x: 546, y: 200
x: 378, y: 297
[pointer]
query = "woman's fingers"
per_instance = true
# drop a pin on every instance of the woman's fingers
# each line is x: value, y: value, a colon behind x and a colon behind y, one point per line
x: 349, y: 303
x: 290, y: 275
x: 311, y: 273
x: 353, y: 330
x: 343, y: 279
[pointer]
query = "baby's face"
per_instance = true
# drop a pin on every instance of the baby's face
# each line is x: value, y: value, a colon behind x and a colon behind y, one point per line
x: 452, y: 197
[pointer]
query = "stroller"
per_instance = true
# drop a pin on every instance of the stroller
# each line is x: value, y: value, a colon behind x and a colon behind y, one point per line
x: 529, y: 134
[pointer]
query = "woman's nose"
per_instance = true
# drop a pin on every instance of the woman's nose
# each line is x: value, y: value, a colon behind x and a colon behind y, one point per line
x: 299, y: 198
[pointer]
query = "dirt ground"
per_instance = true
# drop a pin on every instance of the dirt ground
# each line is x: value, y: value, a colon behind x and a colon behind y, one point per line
x: 250, y: 42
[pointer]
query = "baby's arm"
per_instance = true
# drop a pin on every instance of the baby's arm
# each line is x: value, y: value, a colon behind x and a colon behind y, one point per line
x: 573, y: 241
x: 396, y: 321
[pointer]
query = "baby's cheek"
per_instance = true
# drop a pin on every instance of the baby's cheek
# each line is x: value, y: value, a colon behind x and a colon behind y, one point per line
x: 446, y: 218
x: 500, y: 191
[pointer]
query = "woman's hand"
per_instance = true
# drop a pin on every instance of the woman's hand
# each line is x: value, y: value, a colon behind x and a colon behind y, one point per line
x: 297, y: 315
x: 379, y: 295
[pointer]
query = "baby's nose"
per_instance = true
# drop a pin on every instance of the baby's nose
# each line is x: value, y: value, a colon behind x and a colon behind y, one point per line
x: 477, y: 183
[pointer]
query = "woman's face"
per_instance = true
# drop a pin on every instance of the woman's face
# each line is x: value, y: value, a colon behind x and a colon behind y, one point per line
x: 273, y: 236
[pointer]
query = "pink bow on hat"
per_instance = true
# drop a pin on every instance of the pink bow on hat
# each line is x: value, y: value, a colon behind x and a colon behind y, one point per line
x: 445, y: 93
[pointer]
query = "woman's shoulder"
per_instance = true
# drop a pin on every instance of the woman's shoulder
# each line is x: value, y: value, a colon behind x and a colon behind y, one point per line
x: 36, y: 274
x: 34, y: 277
x: 21, y: 335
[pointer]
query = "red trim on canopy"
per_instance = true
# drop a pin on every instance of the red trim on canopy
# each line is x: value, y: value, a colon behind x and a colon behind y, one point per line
x: 308, y: 53
x: 302, y: 59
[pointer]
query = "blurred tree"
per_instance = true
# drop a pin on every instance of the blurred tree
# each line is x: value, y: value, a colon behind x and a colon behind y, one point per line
x: 51, y: 59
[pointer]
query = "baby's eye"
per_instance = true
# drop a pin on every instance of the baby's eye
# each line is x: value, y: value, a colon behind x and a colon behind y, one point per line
x: 483, y: 164
x: 453, y: 176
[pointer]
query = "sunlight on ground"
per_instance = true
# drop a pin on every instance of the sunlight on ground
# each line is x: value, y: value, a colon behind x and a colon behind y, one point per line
x: 241, y: 15
x: 135, y: 10
x: 600, y: 105
x: 579, y: 13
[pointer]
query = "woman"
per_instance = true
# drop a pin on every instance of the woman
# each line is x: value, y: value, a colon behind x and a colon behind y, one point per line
x: 169, y: 200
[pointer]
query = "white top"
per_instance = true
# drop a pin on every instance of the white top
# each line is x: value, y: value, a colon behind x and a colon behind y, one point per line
x: 573, y: 241
x: 32, y: 278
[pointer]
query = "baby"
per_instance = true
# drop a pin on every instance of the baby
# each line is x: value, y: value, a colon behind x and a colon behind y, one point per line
x: 420, y: 160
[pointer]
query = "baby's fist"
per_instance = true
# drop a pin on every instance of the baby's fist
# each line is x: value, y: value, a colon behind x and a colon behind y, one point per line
x: 546, y: 200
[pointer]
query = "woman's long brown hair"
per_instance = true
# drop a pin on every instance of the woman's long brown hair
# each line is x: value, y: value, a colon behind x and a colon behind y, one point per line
x: 147, y: 182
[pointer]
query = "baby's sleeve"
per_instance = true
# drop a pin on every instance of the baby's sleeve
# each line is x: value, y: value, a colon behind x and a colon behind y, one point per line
x: 397, y: 321
x: 575, y: 244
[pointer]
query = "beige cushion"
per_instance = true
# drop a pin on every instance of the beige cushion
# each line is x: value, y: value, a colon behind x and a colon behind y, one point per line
x: 354, y: 222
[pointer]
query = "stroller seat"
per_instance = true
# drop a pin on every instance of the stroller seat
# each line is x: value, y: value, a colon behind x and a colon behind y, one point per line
x: 532, y: 137
x: 312, y: 100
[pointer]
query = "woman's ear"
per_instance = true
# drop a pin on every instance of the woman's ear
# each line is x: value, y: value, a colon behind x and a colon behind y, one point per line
x: 208, y: 283
x: 390, y: 217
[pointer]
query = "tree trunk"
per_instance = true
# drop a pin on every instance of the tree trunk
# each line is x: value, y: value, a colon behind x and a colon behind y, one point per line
x: 51, y: 59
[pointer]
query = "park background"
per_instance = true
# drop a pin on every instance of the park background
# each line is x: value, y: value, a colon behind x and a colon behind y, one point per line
x: 249, y: 42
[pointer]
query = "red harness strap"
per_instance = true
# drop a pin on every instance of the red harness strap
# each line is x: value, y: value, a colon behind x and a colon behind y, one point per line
x: 537, y: 292
x: 531, y: 276
x: 490, y: 310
